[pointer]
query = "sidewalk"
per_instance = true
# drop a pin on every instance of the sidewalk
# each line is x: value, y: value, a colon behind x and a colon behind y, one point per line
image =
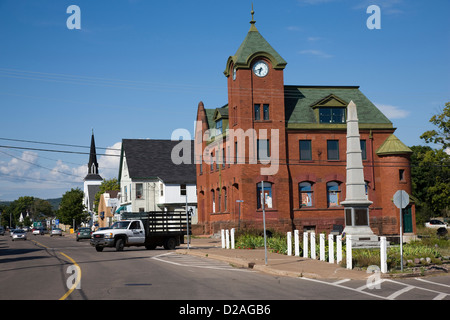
x: 278, y: 264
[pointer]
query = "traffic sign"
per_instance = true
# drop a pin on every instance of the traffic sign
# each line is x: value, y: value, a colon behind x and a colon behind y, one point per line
x: 401, y: 199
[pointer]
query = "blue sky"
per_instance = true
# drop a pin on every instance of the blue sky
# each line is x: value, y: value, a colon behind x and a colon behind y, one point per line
x: 137, y: 69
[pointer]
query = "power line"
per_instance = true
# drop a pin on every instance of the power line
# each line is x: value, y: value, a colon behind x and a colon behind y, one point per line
x: 55, y: 144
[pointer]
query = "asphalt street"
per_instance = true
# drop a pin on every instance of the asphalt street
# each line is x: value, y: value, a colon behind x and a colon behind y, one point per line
x: 59, y: 268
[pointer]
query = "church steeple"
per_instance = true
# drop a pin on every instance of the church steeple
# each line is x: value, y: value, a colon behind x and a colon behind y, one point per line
x: 93, y: 164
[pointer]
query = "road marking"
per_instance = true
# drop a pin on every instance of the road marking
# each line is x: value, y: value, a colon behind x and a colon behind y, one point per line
x: 77, y: 280
x: 197, y: 263
x: 341, y: 281
x: 439, y: 284
x: 399, y: 292
x: 343, y: 287
x: 440, y: 295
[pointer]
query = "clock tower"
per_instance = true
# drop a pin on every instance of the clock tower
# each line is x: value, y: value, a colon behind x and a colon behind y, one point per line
x: 256, y: 88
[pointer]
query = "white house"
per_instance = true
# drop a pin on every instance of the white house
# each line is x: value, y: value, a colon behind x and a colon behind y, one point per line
x: 150, y: 181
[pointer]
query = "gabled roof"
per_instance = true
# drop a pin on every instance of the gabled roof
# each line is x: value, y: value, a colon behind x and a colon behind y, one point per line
x: 149, y: 159
x: 392, y: 145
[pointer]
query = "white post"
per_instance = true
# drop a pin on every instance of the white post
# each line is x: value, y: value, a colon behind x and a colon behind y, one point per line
x: 322, y: 247
x: 330, y: 248
x: 383, y: 254
x: 305, y: 244
x: 227, y: 238
x: 289, y: 243
x: 313, y: 245
x: 233, y: 230
x: 349, y: 252
x: 296, y: 243
x: 338, y: 249
x: 222, y: 236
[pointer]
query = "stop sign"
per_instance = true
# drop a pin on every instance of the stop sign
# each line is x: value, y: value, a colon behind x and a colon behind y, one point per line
x: 401, y: 199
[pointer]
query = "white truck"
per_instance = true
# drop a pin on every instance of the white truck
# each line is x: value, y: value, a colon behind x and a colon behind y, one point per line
x: 149, y: 229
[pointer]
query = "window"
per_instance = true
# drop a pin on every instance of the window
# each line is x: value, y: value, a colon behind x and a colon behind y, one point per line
x: 225, y: 199
x: 182, y: 189
x: 363, y: 149
x: 333, y: 194
x: 306, y: 194
x: 267, y: 195
x: 401, y: 175
x: 263, y: 147
x: 223, y: 157
x: 139, y: 190
x: 257, y: 112
x: 161, y: 187
x: 305, y: 150
x: 213, y: 201
x: 333, y: 149
x: 218, y: 127
x: 236, y: 159
x: 332, y: 115
x: 219, y: 198
x: 212, y: 162
x: 266, y: 112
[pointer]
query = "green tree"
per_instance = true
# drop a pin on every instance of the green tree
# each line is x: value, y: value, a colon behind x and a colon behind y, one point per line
x: 107, y: 185
x: 72, y: 207
x: 430, y: 173
x: 441, y: 135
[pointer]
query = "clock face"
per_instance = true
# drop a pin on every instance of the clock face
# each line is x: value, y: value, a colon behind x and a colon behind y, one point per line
x: 260, y: 69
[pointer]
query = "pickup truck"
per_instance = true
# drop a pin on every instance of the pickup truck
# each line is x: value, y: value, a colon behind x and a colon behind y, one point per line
x: 149, y: 229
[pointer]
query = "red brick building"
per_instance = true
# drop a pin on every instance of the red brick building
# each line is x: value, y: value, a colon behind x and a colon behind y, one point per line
x: 293, y: 138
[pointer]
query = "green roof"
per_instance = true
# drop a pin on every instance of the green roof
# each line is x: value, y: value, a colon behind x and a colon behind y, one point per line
x: 254, y: 45
x: 302, y: 102
x: 392, y: 145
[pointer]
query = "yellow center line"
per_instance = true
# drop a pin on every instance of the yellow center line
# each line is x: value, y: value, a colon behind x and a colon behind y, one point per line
x: 78, y: 279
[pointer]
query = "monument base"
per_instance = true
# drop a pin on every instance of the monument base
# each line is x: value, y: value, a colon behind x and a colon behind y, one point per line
x: 362, y: 236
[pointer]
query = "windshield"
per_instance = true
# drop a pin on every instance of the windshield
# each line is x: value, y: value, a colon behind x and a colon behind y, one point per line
x: 120, y: 225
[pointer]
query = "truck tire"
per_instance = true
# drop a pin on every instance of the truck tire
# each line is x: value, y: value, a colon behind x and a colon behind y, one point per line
x: 120, y: 243
x: 99, y: 249
x: 170, y: 244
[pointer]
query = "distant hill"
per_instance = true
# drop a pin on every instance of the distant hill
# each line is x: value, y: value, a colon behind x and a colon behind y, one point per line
x: 54, y: 202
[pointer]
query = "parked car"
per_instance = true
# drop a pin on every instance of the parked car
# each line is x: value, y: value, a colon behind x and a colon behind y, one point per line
x: 56, y: 232
x: 84, y: 233
x: 11, y: 232
x: 39, y: 231
x: 19, y: 234
x: 436, y: 224
x: 2, y: 231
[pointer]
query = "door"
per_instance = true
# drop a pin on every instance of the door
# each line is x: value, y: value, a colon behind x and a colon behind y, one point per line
x: 407, y: 220
x: 137, y: 234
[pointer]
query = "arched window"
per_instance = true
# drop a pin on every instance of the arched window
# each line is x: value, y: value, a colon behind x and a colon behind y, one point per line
x: 213, y: 201
x: 306, y: 194
x: 333, y: 194
x: 267, y: 195
x: 224, y: 199
x: 219, y: 209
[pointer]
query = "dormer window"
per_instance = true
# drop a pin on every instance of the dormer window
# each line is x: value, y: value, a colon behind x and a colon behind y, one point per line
x: 218, y: 127
x: 331, y: 115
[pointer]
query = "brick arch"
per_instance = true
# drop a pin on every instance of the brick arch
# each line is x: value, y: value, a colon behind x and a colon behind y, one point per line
x: 334, y: 177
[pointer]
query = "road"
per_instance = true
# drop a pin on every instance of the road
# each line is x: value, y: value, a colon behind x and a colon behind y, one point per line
x: 55, y: 268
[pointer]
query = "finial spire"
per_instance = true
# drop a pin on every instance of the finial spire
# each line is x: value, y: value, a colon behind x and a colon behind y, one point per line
x: 253, y: 28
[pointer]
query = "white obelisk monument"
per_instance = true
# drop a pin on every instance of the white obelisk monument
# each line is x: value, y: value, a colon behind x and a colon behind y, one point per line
x: 356, y: 204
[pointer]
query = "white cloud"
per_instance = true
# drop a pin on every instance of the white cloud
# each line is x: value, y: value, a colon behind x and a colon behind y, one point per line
x: 108, y: 166
x: 317, y: 53
x: 393, y: 112
x: 20, y: 167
